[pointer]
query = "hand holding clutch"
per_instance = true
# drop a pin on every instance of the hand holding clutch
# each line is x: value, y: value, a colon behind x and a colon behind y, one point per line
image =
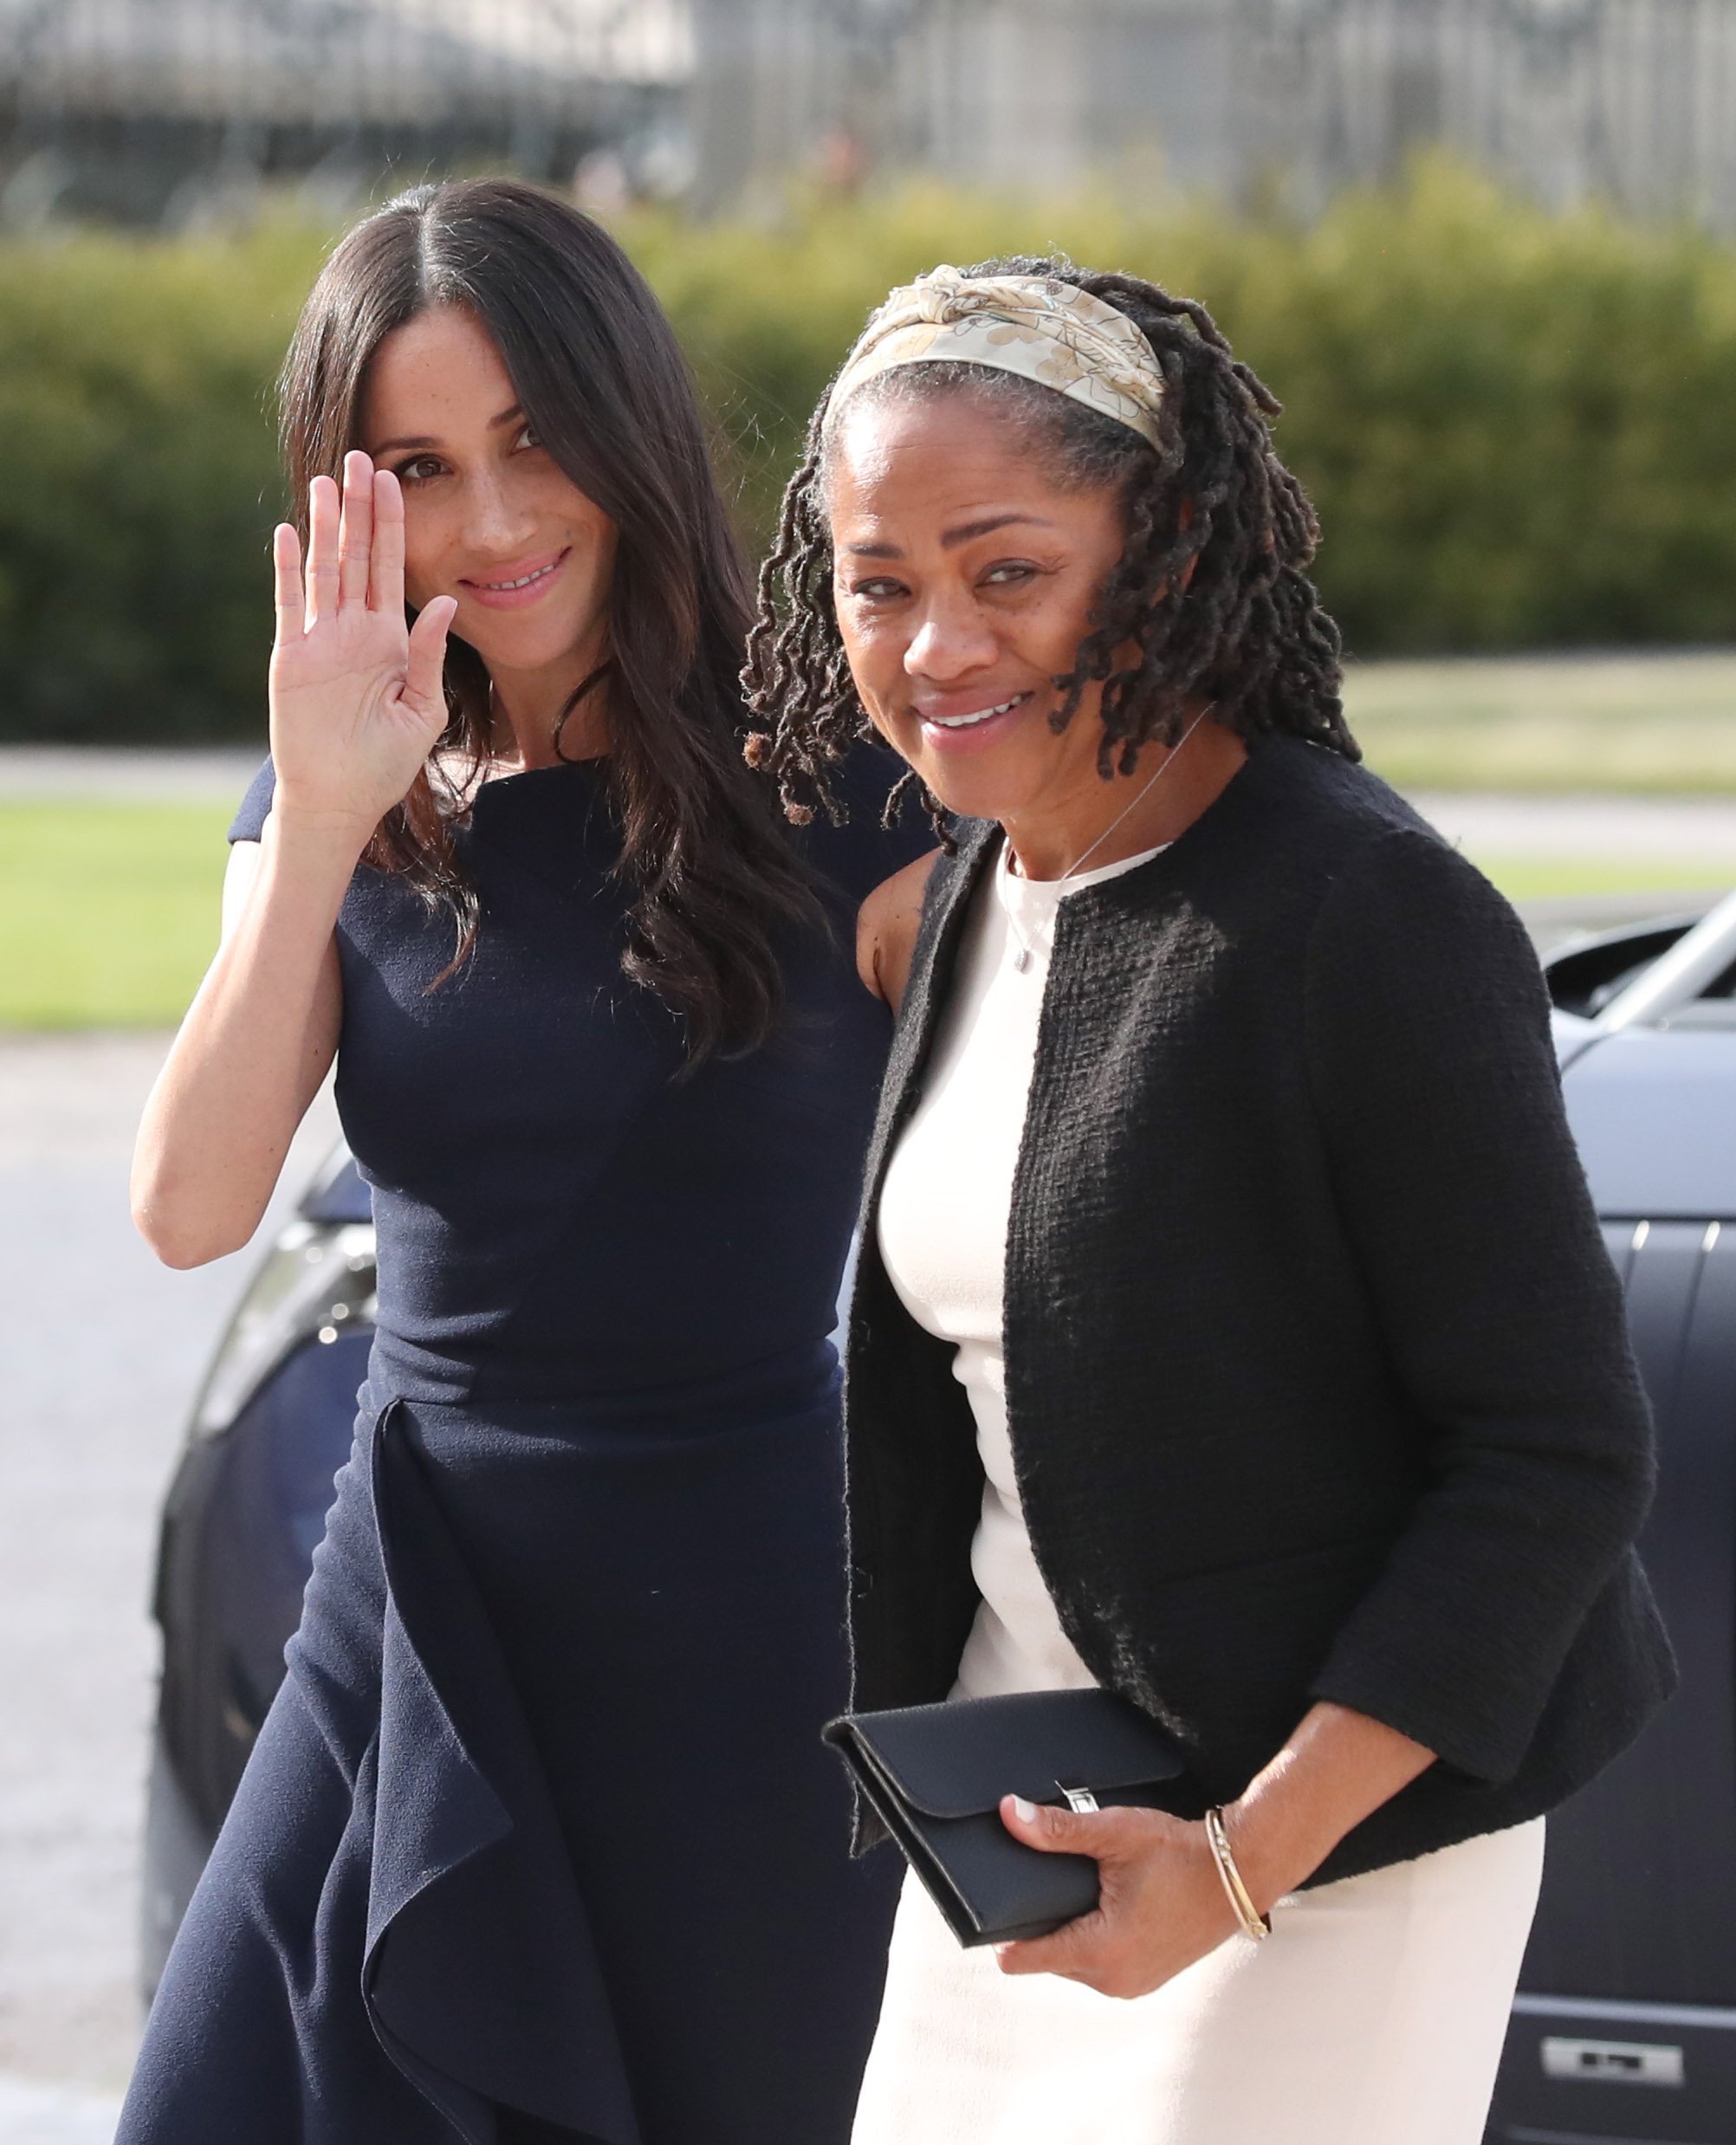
x: 1161, y: 1906
x: 935, y: 1777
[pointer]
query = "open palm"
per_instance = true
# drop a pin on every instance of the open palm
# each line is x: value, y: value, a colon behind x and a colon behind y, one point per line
x: 356, y: 698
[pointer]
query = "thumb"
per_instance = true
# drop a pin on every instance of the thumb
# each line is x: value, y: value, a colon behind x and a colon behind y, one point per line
x: 1060, y: 1831
x: 427, y: 651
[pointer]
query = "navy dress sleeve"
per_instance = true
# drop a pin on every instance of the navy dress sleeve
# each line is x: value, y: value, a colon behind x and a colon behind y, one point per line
x: 248, y: 823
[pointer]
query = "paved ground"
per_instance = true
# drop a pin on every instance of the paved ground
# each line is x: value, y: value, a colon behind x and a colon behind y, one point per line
x: 1492, y: 825
x: 102, y: 1349
x: 220, y: 773
x: 1648, y: 828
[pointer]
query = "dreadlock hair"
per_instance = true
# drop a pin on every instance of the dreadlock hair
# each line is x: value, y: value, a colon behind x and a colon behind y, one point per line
x: 1210, y: 589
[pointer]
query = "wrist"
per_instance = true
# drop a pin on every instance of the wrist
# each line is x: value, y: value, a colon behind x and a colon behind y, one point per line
x: 315, y: 852
x: 1275, y: 1845
x: 318, y: 834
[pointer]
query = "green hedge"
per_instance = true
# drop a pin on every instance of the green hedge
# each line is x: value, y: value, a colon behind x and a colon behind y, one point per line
x: 1520, y: 428
x: 139, y: 484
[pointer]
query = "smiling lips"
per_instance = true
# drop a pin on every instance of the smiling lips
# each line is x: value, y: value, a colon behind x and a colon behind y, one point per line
x: 972, y: 728
x: 524, y: 581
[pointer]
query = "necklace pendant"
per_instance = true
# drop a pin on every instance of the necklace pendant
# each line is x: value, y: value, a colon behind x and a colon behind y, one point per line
x: 1021, y: 960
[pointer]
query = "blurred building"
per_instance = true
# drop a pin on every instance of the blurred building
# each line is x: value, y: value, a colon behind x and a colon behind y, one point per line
x: 1633, y: 101
x: 179, y: 111
x: 172, y: 110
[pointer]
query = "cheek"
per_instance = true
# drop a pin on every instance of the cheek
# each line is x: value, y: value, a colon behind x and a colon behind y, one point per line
x: 1056, y: 624
x: 872, y: 648
x: 561, y: 501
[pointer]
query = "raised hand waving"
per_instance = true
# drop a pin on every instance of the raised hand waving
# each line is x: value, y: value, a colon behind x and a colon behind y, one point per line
x: 356, y: 698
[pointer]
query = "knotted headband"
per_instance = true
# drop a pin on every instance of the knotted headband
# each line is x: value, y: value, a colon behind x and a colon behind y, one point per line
x: 1053, y: 333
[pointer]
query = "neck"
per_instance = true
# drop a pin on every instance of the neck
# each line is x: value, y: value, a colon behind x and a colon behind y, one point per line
x: 1160, y: 799
x: 527, y: 707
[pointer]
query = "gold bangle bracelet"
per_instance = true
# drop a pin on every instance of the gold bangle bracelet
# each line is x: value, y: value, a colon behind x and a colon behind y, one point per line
x: 1255, y: 1924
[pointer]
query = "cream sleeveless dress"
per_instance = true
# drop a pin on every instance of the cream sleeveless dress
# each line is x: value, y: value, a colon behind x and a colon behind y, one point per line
x: 1374, y: 2014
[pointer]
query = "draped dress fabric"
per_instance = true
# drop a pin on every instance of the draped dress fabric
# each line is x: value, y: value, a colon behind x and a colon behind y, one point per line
x: 539, y: 1839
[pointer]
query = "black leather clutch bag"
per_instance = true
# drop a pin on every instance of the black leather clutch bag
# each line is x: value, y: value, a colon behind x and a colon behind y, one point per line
x: 935, y: 1776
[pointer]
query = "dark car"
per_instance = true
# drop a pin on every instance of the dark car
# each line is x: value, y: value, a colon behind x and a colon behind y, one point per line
x: 1625, y: 2026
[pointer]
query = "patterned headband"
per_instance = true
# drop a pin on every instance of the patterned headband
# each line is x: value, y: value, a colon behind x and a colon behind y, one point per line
x: 1053, y: 333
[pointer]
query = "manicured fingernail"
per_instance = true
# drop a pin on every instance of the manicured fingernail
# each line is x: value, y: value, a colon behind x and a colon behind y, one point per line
x: 1022, y: 1810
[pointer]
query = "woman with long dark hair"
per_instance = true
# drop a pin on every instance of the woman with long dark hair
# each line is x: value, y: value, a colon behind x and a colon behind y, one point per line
x: 1233, y: 1329
x: 538, y: 1838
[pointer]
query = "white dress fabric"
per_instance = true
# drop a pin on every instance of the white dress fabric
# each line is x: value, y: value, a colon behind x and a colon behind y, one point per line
x: 1375, y: 2013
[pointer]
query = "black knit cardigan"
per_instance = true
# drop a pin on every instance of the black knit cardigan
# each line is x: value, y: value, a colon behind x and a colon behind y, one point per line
x: 1318, y: 1381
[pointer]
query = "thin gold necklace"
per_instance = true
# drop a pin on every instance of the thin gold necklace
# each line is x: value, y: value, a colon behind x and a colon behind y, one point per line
x: 1026, y: 952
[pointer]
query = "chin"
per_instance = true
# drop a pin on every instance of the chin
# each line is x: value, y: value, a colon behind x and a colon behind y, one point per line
x: 979, y: 791
x: 533, y: 645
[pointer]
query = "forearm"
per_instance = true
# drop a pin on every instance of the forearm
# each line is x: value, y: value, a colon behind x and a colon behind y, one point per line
x: 1337, y: 1769
x: 251, y: 1053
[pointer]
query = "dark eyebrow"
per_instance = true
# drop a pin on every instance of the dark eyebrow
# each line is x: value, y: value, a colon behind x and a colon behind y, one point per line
x: 966, y: 533
x: 394, y: 446
x: 970, y: 530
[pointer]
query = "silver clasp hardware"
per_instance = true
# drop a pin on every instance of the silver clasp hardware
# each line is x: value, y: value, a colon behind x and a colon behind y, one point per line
x: 1079, y: 1800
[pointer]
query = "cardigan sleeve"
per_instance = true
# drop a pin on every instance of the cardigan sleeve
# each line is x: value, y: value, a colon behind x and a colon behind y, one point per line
x: 1435, y: 1085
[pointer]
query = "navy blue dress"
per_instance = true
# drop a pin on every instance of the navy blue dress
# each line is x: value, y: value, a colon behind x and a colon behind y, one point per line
x: 539, y: 1839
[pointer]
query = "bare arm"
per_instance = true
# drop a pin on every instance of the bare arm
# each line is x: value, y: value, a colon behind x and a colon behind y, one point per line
x: 356, y: 707
x: 886, y: 928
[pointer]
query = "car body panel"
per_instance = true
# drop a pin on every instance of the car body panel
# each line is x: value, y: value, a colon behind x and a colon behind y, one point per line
x: 1654, y: 1112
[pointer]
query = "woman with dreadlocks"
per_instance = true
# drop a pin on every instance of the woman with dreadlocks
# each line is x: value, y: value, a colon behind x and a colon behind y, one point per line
x: 1232, y: 1330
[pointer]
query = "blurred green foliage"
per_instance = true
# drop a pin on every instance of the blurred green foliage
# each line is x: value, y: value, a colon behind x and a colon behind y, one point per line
x: 139, y: 483
x: 1519, y: 427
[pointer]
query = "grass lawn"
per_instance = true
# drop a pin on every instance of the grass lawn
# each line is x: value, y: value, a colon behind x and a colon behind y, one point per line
x: 108, y: 912
x: 1661, y: 723
x: 1536, y: 878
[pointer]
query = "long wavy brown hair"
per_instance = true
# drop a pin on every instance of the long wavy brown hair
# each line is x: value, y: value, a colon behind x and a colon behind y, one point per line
x: 601, y: 379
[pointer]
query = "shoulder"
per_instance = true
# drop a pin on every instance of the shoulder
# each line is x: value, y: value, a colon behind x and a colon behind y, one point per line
x: 1318, y: 843
x: 1316, y: 801
x: 886, y: 928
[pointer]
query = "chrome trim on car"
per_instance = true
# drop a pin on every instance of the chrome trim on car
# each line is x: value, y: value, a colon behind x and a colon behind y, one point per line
x: 1676, y: 978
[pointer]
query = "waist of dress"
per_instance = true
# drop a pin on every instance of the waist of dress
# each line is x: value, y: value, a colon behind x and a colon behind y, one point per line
x: 713, y: 1397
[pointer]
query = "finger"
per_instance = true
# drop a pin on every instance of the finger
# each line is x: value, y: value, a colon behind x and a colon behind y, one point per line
x: 355, y: 532
x: 289, y: 597
x: 1066, y: 1950
x: 422, y: 674
x: 322, y: 549
x: 386, y: 573
x: 1096, y: 1833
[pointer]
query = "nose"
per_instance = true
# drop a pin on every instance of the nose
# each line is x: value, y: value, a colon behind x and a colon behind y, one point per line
x: 499, y: 525
x: 952, y: 641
